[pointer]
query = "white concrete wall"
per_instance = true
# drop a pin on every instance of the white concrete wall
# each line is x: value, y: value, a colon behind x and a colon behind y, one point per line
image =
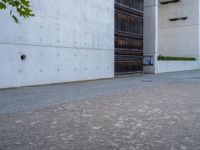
x: 172, y: 66
x: 179, y: 38
x: 150, y: 32
x: 67, y: 40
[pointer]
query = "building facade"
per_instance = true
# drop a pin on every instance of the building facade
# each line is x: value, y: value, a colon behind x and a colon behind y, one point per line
x: 81, y: 40
x: 172, y: 28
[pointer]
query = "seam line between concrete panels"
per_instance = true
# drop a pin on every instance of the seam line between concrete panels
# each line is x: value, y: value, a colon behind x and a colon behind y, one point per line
x: 53, y: 46
x: 165, y: 27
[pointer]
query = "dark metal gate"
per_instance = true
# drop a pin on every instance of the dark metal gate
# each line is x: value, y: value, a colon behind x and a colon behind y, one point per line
x: 128, y: 36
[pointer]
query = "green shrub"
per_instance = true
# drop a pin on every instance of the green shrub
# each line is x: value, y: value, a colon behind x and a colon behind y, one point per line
x: 172, y: 58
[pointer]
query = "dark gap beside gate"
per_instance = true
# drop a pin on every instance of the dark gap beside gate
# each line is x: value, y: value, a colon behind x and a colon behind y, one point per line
x: 128, y: 36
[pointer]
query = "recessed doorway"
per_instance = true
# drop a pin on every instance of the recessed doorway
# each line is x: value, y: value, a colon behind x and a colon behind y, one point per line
x: 128, y: 36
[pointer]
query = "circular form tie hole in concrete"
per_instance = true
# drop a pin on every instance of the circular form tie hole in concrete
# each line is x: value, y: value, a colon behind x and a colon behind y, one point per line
x: 23, y: 57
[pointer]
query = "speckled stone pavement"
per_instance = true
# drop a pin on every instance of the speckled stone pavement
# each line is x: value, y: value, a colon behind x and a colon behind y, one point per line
x: 152, y: 112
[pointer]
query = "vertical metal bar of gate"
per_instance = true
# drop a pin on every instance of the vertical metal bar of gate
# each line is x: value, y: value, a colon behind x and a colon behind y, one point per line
x: 128, y: 36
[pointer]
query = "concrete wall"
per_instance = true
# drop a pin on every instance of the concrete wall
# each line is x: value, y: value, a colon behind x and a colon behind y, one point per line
x: 179, y: 38
x: 67, y: 40
x: 150, y: 32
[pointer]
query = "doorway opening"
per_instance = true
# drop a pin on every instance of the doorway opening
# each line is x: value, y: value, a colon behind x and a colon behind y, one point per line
x: 129, y: 36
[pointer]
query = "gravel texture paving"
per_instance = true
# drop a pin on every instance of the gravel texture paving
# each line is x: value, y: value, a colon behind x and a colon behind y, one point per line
x: 150, y: 112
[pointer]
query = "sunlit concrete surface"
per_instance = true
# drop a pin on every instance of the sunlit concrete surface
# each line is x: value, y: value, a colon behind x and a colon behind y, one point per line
x: 150, y: 112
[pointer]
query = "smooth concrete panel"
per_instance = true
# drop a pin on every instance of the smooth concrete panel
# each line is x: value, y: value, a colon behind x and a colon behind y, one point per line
x: 88, y: 24
x: 179, y: 41
x: 186, y: 8
x: 172, y: 66
x: 44, y: 65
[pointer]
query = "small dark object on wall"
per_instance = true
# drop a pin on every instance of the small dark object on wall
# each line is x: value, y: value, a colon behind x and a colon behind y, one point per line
x: 176, y: 19
x: 23, y: 57
x: 170, y: 1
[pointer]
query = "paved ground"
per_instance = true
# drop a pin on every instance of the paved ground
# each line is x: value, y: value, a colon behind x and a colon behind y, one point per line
x: 152, y: 112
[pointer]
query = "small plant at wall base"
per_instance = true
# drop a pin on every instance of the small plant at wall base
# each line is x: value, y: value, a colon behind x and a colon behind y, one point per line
x: 172, y: 58
x: 22, y: 7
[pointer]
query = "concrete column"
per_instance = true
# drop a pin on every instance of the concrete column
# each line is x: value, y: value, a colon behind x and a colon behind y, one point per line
x: 150, y: 32
x: 199, y: 29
